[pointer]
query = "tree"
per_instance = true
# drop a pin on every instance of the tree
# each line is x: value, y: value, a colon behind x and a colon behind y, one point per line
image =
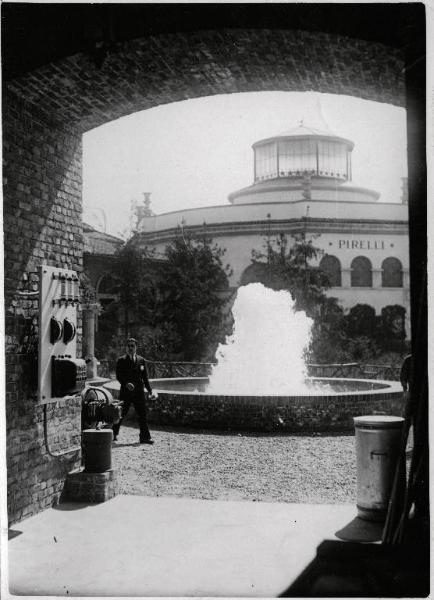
x: 393, y: 327
x: 359, y: 335
x: 328, y: 335
x: 290, y: 268
x: 191, y: 295
x: 361, y: 321
x: 133, y: 281
x: 171, y: 305
x: 137, y: 288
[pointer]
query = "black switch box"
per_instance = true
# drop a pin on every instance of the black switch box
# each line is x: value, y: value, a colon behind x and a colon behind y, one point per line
x: 68, y: 376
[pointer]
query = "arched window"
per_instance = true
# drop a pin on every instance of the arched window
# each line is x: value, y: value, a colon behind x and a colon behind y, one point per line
x: 256, y: 272
x: 361, y: 272
x: 107, y: 284
x: 392, y: 273
x: 332, y: 268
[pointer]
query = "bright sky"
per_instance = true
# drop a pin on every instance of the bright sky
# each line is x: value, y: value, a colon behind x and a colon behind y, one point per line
x: 194, y: 153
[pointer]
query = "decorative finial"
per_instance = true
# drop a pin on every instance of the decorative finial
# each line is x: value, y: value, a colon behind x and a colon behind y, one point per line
x: 145, y: 210
x: 147, y: 199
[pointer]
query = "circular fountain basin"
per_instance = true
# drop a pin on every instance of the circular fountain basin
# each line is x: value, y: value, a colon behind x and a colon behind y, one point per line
x: 185, y: 402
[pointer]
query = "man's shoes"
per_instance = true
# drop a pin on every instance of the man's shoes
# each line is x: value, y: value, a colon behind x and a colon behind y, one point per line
x: 149, y: 441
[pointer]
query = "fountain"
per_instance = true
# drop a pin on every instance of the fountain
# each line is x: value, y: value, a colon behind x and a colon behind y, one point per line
x: 260, y: 381
x: 265, y: 353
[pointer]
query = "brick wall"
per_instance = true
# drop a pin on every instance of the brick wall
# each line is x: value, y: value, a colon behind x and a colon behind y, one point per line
x: 301, y: 415
x: 145, y: 72
x: 42, y: 224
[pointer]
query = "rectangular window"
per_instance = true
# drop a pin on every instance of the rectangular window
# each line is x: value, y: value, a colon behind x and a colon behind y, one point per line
x: 266, y: 161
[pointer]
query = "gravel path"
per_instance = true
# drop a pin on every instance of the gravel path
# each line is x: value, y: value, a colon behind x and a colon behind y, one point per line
x: 237, y: 466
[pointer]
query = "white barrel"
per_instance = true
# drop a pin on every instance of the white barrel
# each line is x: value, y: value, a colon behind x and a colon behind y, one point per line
x: 378, y: 441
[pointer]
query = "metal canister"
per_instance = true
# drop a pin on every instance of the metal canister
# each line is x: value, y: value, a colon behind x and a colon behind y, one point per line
x: 97, y: 450
x: 378, y: 442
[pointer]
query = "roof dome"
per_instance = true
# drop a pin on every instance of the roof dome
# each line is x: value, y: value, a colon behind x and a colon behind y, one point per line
x: 302, y: 163
x: 303, y: 150
x: 304, y: 131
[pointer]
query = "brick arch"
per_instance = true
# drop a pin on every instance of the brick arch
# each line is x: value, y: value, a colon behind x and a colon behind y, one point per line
x: 142, y: 73
x: 47, y: 108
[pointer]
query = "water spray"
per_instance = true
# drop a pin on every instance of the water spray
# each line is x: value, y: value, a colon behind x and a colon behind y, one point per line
x: 265, y: 352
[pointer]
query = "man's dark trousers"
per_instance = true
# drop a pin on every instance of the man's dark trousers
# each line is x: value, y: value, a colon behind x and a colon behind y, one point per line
x: 140, y: 408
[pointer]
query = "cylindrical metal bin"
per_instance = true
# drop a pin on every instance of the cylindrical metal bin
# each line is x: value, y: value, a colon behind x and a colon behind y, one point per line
x: 378, y: 441
x: 97, y: 450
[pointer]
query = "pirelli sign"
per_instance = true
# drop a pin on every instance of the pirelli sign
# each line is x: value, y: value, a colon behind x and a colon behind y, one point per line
x: 361, y: 244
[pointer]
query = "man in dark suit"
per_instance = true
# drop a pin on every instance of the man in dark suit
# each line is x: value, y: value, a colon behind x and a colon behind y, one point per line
x: 405, y: 377
x: 405, y: 374
x: 132, y: 375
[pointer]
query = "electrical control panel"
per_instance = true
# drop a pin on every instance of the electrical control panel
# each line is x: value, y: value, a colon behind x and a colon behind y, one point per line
x: 60, y: 372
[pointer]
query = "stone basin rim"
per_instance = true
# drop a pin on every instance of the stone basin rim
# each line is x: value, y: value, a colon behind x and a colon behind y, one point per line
x: 382, y: 386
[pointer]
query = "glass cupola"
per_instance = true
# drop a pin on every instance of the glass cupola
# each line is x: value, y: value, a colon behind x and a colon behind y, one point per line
x: 303, y: 150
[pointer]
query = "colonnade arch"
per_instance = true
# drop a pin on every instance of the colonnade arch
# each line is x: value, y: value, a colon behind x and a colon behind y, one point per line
x: 392, y: 274
x: 332, y: 267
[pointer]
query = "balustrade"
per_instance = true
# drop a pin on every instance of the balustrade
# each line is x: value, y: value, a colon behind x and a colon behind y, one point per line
x: 161, y: 369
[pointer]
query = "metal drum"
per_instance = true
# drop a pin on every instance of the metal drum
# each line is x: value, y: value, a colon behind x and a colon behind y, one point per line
x: 97, y: 450
x: 378, y: 441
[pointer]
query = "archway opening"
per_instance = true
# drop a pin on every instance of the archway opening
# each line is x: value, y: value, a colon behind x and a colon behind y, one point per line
x: 175, y: 166
x: 97, y: 73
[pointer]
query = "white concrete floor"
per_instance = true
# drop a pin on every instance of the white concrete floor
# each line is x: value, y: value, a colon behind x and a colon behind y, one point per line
x: 141, y: 546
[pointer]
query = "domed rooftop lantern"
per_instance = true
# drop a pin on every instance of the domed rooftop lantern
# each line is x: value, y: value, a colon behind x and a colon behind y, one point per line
x: 300, y: 151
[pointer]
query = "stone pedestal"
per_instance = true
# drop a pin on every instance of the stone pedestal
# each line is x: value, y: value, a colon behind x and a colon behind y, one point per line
x: 89, y: 330
x: 92, y: 367
x: 89, y: 316
x: 90, y: 487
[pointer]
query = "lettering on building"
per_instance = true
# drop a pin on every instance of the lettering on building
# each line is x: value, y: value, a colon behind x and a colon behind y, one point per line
x: 361, y: 244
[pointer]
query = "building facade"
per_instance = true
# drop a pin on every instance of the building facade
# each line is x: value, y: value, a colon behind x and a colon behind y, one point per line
x: 302, y: 185
x: 99, y: 256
